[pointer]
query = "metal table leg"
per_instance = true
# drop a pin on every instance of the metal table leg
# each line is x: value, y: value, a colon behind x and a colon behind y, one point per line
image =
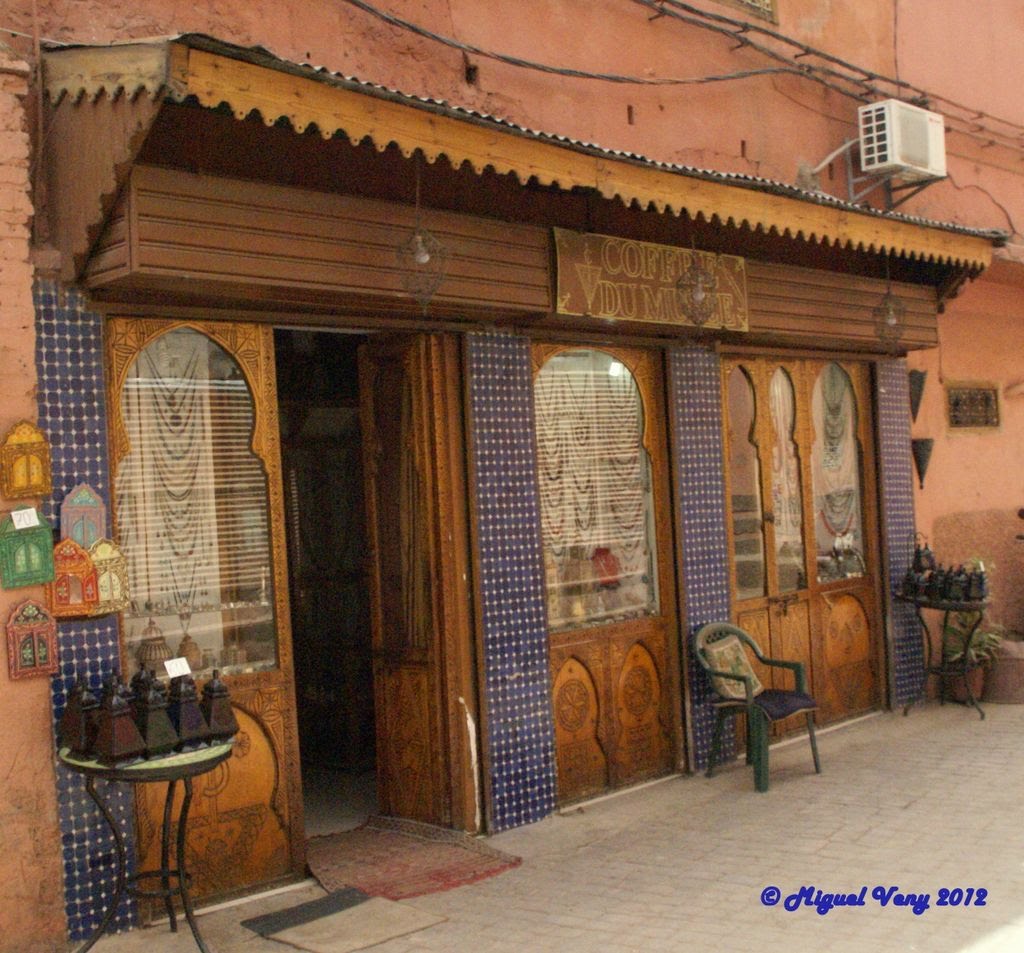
x: 186, y: 900
x: 127, y: 886
x: 122, y: 862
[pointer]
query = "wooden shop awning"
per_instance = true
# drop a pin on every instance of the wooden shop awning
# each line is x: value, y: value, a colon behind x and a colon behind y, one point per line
x: 105, y: 100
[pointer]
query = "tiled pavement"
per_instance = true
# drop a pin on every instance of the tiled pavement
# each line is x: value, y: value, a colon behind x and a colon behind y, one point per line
x: 920, y: 803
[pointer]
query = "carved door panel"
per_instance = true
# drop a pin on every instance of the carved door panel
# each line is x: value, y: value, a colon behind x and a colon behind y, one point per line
x: 765, y: 449
x: 198, y: 508
x: 608, y: 567
x: 802, y: 533
x: 418, y: 567
x: 843, y: 494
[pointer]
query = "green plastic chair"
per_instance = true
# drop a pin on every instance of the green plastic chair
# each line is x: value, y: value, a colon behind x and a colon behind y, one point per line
x: 721, y: 648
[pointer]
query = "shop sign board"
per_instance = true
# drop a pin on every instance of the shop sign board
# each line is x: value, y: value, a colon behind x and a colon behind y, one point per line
x: 605, y: 276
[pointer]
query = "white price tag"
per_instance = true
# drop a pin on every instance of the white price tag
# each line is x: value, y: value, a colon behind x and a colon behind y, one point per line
x: 177, y: 666
x: 24, y: 519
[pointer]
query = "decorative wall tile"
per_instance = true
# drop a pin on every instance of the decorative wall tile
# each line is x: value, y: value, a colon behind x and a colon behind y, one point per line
x: 896, y: 483
x: 72, y: 413
x: 699, y: 462
x: 517, y: 680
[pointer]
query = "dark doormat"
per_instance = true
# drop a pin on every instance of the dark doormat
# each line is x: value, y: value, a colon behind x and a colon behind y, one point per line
x: 398, y: 859
x: 271, y: 923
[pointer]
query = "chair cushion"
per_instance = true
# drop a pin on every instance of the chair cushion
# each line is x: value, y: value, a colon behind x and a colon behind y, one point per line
x: 728, y: 655
x: 778, y: 704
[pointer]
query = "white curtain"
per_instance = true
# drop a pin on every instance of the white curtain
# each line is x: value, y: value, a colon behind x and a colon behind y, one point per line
x: 594, y: 477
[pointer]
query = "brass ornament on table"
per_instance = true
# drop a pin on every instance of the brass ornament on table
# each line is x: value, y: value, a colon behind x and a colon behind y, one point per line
x: 25, y: 462
x: 153, y: 651
x: 189, y: 650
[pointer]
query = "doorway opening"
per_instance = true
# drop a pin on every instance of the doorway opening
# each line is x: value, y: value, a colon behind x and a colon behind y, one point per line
x: 322, y: 469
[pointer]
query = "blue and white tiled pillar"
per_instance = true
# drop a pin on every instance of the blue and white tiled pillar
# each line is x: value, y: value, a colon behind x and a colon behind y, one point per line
x: 896, y: 484
x: 699, y: 464
x: 72, y: 413
x: 510, y: 586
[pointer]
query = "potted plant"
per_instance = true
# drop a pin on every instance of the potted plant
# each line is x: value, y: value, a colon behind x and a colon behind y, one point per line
x: 964, y: 665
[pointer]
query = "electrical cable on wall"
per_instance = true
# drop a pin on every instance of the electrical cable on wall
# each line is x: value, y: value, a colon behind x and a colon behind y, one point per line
x: 968, y: 120
x: 454, y: 44
x: 841, y: 77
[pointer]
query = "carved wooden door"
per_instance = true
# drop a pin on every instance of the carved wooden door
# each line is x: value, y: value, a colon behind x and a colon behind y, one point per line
x: 198, y: 511
x: 607, y: 537
x: 423, y: 677
x: 845, y: 519
x: 802, y: 585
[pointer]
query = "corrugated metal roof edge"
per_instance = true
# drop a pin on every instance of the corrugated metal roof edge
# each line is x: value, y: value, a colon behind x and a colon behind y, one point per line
x: 260, y: 56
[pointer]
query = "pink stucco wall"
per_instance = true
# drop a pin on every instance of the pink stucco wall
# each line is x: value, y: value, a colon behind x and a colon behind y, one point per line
x: 30, y: 859
x: 974, y: 485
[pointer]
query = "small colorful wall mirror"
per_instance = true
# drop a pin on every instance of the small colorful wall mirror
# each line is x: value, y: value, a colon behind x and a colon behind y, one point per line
x: 26, y: 549
x: 83, y: 516
x: 111, y: 576
x: 73, y: 592
x: 25, y: 462
x: 31, y: 640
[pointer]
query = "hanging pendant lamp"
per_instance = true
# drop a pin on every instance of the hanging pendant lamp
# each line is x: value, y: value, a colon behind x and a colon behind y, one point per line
x: 422, y: 257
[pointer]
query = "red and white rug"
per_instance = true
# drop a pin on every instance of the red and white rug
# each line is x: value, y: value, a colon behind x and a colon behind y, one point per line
x: 398, y: 859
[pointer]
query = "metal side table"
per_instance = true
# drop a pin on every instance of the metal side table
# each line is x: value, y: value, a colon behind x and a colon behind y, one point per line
x: 944, y: 668
x: 171, y: 769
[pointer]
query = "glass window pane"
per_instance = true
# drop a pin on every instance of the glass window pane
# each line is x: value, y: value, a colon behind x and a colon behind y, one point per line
x: 745, y: 481
x: 595, y: 489
x: 192, y: 510
x: 835, y: 468
x: 787, y: 498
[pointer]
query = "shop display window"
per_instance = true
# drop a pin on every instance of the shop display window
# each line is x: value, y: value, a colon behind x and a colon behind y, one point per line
x: 595, y: 491
x: 192, y: 507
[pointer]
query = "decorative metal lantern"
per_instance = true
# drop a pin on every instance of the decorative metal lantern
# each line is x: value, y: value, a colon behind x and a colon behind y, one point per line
x: 83, y: 516
x: 111, y: 576
x: 80, y: 721
x: 26, y: 549
x: 890, y: 318
x: 73, y: 592
x: 25, y: 462
x: 118, y: 741
x: 185, y: 714
x: 697, y: 288
x: 217, y: 710
x: 422, y: 257
x: 31, y: 640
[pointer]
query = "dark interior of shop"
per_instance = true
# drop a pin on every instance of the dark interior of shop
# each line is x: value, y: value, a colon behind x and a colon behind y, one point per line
x: 321, y: 456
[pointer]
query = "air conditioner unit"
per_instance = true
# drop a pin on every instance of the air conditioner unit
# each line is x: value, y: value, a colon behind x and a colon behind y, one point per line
x: 903, y: 139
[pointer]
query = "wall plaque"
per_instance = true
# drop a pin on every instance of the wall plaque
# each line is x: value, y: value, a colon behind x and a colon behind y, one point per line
x: 604, y: 276
x: 976, y: 406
